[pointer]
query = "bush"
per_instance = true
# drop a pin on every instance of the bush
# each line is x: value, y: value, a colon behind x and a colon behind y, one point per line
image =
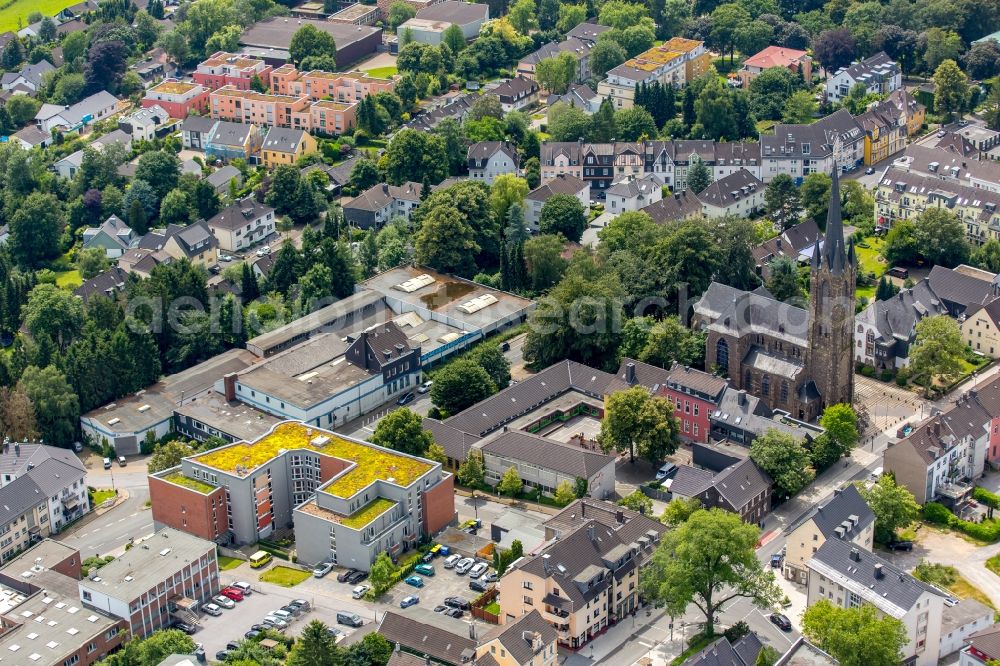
x: 988, y: 530
x: 867, y: 371
x: 886, y: 376
x: 901, y: 381
x: 937, y: 514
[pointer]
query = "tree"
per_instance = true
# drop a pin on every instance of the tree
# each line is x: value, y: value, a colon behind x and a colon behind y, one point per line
x: 22, y: 108
x: 227, y: 39
x: 35, y: 227
x: 402, y: 430
x: 784, y: 283
x: 309, y: 41
x: 620, y: 15
x: 315, y: 647
x: 708, y: 560
x: 506, y: 190
x: 567, y: 123
x: 544, y: 261
x: 460, y: 384
x: 634, y: 124
x: 555, y: 74
x: 768, y: 92
x: 446, y: 242
x: 53, y: 313
x: 835, y: 48
x: 413, y: 156
x: 781, y: 200
x: 727, y: 20
x: 364, y: 174
x: 661, y: 342
x: 815, y: 195
x: 698, y: 176
x: 841, y: 423
x: 57, y: 408
x: 752, y: 36
x: 510, y: 483
x: 784, y: 459
x: 453, y: 38
x: 17, y: 416
x: 522, y: 16
x: 383, y: 573
x: 982, y: 60
x: 886, y: 289
x: 570, y: 16
x: 491, y: 359
x: 858, y: 636
x: 161, y: 170
x: 679, y: 510
x: 563, y: 214
x: 800, y: 108
x: 635, y: 422
x: 606, y: 54
x: 399, y: 13
x: 151, y: 650
x: 169, y: 454
x: 106, y: 63
x: 565, y: 493
x: 175, y: 208
x: 12, y: 56
x: 893, y: 505
x: 636, y: 501
x: 900, y: 243
x: 938, y: 349
x: 941, y: 45
x: 472, y: 472
x: 951, y: 94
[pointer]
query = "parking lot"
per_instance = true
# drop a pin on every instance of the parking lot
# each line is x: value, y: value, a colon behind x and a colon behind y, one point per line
x: 326, y: 597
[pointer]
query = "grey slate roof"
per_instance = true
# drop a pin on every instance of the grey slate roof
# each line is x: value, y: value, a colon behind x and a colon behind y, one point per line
x: 548, y: 454
x: 679, y: 206
x: 817, y: 137
x: 896, y: 318
x: 454, y: 11
x: 634, y: 187
x: 105, y: 283
x: 720, y: 298
x: 894, y: 592
x: 737, y: 407
x: 691, y: 481
x: 430, y: 639
x: 283, y: 139
x: 512, y: 636
x: 878, y: 62
x: 31, y: 73
x: 720, y: 192
x: 588, y: 31
x: 629, y: 525
x: 227, y: 133
x: 85, y: 107
x: 35, y: 486
x: 847, y: 505
x: 239, y: 214
x: 221, y: 177
x: 745, y: 313
x: 480, y: 153
x: 723, y: 653
x: 381, y: 195
x: 789, y: 243
x: 960, y: 289
x: 455, y: 442
x: 200, y: 124
x: 563, y: 183
x: 741, y: 482
x: 515, y: 88
x: 33, y: 135
x: 15, y: 460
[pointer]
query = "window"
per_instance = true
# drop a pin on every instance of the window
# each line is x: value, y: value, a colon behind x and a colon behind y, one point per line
x: 527, y: 585
x: 765, y: 386
x: 528, y: 601
x: 784, y: 391
x: 722, y: 353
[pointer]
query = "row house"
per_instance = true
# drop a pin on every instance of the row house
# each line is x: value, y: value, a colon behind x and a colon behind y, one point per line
x: 950, y: 167
x: 178, y: 98
x: 290, y: 111
x: 799, y: 150
x: 879, y: 74
x: 903, y: 195
x: 228, y: 69
x: 885, y: 131
x: 941, y: 459
x: 337, y: 86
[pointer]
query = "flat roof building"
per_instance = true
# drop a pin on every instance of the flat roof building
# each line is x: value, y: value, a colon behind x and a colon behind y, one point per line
x: 269, y: 39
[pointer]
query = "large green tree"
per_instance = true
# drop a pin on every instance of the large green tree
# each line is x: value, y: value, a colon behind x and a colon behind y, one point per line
x: 446, y: 242
x: 637, y: 422
x: 53, y: 313
x: 563, y: 214
x: 708, y: 560
x: 938, y: 349
x: 35, y: 228
x: 169, y: 454
x: 415, y: 156
x: 893, y: 505
x: 310, y: 42
x: 401, y: 430
x: 951, y: 93
x: 314, y: 647
x: 940, y: 237
x: 57, y: 409
x: 859, y: 636
x: 460, y: 384
x: 784, y: 459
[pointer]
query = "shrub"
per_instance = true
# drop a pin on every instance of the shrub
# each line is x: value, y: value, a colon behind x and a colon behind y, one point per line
x: 986, y: 497
x: 886, y: 376
x: 988, y: 530
x: 867, y: 371
x: 938, y: 514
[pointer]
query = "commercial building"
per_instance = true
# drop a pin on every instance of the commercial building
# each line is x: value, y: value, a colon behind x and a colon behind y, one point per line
x: 157, y: 582
x: 468, y: 16
x: 229, y: 69
x: 586, y: 576
x: 269, y: 39
x: 879, y: 74
x: 349, y: 500
x: 357, y: 14
x: 847, y: 517
x: 797, y: 62
x: 178, y: 98
x: 242, y: 224
x: 848, y: 577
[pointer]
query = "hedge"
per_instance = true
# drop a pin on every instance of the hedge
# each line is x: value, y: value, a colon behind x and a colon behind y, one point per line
x: 938, y: 514
x: 280, y: 553
x: 988, y: 530
x: 980, y: 494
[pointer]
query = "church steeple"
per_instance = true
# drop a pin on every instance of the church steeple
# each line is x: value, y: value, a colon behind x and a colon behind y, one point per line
x: 834, y: 248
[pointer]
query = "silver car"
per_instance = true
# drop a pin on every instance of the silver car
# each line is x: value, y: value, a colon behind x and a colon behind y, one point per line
x: 211, y: 609
x: 478, y: 570
x: 451, y: 561
x: 464, y: 565
x: 274, y: 622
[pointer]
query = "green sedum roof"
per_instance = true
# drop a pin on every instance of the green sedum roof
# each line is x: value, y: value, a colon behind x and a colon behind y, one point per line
x: 367, y: 513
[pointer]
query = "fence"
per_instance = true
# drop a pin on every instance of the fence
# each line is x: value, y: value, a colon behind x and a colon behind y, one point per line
x: 484, y: 600
x: 656, y: 493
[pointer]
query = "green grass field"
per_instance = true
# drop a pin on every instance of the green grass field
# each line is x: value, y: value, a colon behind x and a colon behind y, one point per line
x: 227, y: 563
x: 381, y: 72
x: 69, y: 279
x: 284, y: 576
x: 100, y: 496
x: 21, y: 8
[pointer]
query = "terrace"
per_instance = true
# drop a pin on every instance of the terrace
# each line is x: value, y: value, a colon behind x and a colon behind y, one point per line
x: 189, y: 483
x: 371, y: 463
x: 367, y: 513
x: 174, y: 87
x: 232, y: 91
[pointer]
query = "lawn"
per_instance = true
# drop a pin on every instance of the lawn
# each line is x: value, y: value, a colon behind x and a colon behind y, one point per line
x: 493, y: 607
x: 20, y: 9
x: 98, y: 497
x: 869, y: 257
x: 993, y: 564
x: 69, y: 279
x: 227, y: 563
x: 381, y: 72
x: 947, y: 576
x: 284, y: 576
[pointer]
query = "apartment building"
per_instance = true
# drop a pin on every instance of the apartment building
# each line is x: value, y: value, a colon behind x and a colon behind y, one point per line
x: 797, y: 62
x: 695, y: 394
x: 178, y: 98
x: 578, y: 43
x: 489, y: 159
x: 343, y: 87
x: 229, y: 69
x: 349, y: 500
x: 658, y: 64
x: 950, y: 167
x: 376, y: 206
x: 847, y: 517
x: 799, y: 150
x: 247, y: 106
x: 740, y: 194
x: 879, y: 74
x: 848, y: 576
x: 586, y: 577
x: 242, y: 224
x: 160, y: 580
x: 632, y: 193
x: 885, y: 131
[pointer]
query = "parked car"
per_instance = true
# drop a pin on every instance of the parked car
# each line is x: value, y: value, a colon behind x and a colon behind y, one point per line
x: 243, y: 587
x: 478, y: 585
x: 411, y: 600
x: 253, y: 633
x: 451, y: 561
x: 424, y: 569
x: 781, y: 621
x: 233, y: 645
x: 283, y: 614
x: 223, y: 601
x: 233, y: 593
x: 776, y: 560
x: 464, y: 565
x: 415, y: 581
x: 185, y: 627
x: 264, y: 251
x: 455, y: 613
x: 222, y: 655
x: 107, y: 463
x: 901, y: 545
x: 491, y: 577
x: 869, y: 171
x: 665, y: 472
x: 349, y: 619
x: 428, y: 557
x: 322, y: 569
x: 344, y: 575
x: 360, y: 591
x: 260, y: 627
x: 275, y: 621
x: 457, y: 602
x: 357, y: 577
x: 294, y: 611
x: 425, y: 387
x: 406, y: 399
x: 301, y: 604
x: 225, y: 257
x: 478, y: 570
x: 121, y: 461
x: 441, y: 609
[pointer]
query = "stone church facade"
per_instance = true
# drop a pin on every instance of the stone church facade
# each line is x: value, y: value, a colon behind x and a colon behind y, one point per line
x: 796, y: 360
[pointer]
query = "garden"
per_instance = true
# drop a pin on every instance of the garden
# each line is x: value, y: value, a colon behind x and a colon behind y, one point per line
x: 284, y: 576
x: 99, y: 496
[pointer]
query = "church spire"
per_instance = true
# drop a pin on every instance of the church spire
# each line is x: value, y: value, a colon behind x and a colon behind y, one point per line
x: 834, y: 249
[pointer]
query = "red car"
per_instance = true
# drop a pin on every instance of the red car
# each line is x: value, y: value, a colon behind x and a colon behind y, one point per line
x: 232, y: 593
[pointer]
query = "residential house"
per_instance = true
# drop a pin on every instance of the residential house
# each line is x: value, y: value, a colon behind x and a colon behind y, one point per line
x: 585, y: 578
x: 516, y: 94
x: 98, y: 106
x: 227, y: 141
x: 980, y: 328
x: 489, y: 159
x: 338, y: 176
x: 982, y: 647
x: 113, y: 236
x: 179, y: 98
x: 29, y: 77
x: 579, y: 95
x: 723, y: 652
x: 286, y: 146
x: 578, y: 42
x: 108, y: 284
x: 797, y: 62
x: 376, y: 206
x: 31, y: 136
x: 913, y: 112
x: 848, y: 576
x: 961, y: 621
x: 243, y: 224
x: 631, y: 194
x: 740, y: 194
x: 229, y: 69
x: 194, y: 242
x: 879, y: 74
x: 560, y: 184
x: 694, y: 394
x: 157, y: 583
x: 677, y: 207
x: 795, y: 243
x: 799, y: 150
x: 561, y: 157
x: 69, y: 165
x: 885, y: 131
x: 145, y: 124
x: 195, y: 131
x: 221, y: 178
x: 142, y: 261
x: 149, y: 70
x: 847, y: 516
x: 742, y: 488
x: 697, y: 59
x: 455, y: 108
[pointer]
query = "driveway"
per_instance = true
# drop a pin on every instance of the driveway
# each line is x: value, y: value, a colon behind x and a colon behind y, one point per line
x: 598, y: 223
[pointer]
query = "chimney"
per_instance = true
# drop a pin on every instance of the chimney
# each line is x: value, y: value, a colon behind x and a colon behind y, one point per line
x: 630, y: 373
x: 855, y: 555
x: 397, y: 646
x: 17, y: 448
x: 229, y: 386
x: 590, y: 532
x: 879, y: 574
x: 620, y: 516
x: 741, y: 398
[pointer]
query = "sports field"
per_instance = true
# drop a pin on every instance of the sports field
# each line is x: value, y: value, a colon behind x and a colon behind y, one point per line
x: 12, y: 10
